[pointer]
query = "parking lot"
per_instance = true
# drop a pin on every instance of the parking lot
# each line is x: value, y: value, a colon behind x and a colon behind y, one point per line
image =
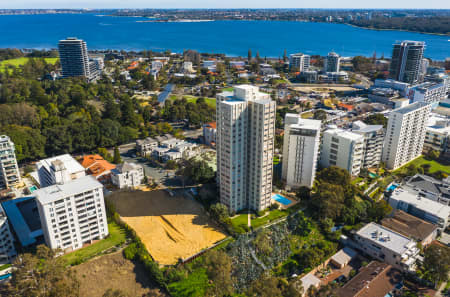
x: 156, y: 173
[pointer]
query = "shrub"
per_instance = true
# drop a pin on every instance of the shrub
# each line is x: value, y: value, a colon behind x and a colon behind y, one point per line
x: 261, y: 213
x: 130, y: 251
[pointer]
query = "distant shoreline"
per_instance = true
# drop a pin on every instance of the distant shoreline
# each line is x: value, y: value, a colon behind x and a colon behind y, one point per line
x: 390, y: 29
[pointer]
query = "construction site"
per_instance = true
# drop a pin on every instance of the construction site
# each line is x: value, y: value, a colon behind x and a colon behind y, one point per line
x: 171, y: 226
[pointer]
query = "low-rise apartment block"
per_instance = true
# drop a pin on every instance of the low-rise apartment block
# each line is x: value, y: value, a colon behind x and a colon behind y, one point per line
x: 387, y: 246
x: 146, y: 146
x: 437, y: 135
x: 72, y: 214
x: 421, y: 207
x: 428, y: 187
x: 127, y: 175
x: 209, y: 133
x: 410, y: 226
x: 343, y: 149
x: 428, y: 92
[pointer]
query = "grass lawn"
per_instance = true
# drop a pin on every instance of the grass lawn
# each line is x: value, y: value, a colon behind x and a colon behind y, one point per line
x: 116, y: 236
x: 210, y: 101
x: 230, y: 89
x: 435, y: 166
x: 240, y: 221
x: 194, y: 285
x: 21, y: 61
x: 273, y: 215
x: 4, y: 266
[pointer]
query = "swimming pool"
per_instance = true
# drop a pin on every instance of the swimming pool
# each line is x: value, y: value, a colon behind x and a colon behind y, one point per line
x: 32, y: 189
x: 279, y: 198
x: 392, y: 187
x: 5, y: 276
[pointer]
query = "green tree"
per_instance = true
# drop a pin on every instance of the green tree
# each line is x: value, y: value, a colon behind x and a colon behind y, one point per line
x: 41, y: 275
x: 117, y: 159
x: 219, y: 212
x: 436, y: 263
x: 218, y: 267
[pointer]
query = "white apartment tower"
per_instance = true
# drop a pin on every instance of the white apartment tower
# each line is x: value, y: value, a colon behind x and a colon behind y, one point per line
x: 9, y: 171
x: 245, y: 141
x: 73, y: 213
x: 405, y: 134
x: 373, y: 142
x: 299, y: 62
x: 343, y: 149
x: 7, y: 250
x: 332, y: 62
x: 300, y: 150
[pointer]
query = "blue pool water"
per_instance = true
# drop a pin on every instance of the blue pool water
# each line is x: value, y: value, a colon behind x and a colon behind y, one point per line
x: 392, y: 187
x: 5, y: 276
x: 32, y: 189
x: 283, y: 200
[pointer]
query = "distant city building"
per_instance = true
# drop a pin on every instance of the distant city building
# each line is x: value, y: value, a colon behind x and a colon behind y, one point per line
x: 406, y: 63
x: 421, y: 207
x: 402, y: 87
x: 209, y: 133
x: 405, y: 134
x: 299, y: 62
x: 373, y: 142
x: 9, y: 171
x: 332, y: 62
x: 74, y: 59
x: 388, y: 246
x: 58, y: 170
x: 7, y: 249
x: 127, y: 175
x: 334, y: 77
x: 300, y: 150
x: 343, y: 149
x: 245, y: 143
x: 187, y: 67
x: 309, y: 76
x: 72, y: 214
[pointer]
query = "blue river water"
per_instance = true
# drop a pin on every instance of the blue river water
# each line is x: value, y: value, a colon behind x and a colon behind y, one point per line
x: 234, y: 38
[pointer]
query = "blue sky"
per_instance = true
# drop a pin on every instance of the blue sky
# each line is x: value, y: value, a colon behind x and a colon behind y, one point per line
x: 441, y: 4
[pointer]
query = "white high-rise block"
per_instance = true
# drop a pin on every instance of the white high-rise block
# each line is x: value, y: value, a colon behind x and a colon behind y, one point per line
x: 343, y: 149
x: 300, y: 150
x: 405, y: 134
x: 245, y: 141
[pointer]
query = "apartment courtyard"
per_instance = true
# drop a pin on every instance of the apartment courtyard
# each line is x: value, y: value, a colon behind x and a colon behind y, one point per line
x: 171, y: 227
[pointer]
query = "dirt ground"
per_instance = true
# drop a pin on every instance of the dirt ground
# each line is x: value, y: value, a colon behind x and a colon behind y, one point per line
x: 170, y: 227
x: 323, y: 89
x: 115, y: 272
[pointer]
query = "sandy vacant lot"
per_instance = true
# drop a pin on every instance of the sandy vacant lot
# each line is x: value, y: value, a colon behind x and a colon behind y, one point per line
x: 170, y: 227
x: 115, y: 272
x: 323, y: 89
